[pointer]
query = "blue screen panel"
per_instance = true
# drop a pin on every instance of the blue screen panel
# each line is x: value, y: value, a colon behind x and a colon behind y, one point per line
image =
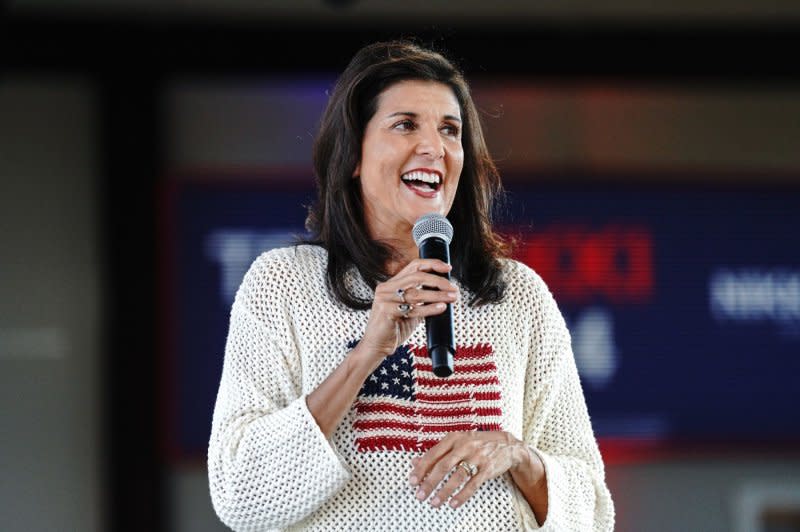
x: 683, y: 302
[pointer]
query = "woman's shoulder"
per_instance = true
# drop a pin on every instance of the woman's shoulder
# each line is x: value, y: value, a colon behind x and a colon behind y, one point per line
x: 527, y: 288
x: 296, y: 257
x: 516, y: 272
x: 286, y: 265
x: 279, y: 275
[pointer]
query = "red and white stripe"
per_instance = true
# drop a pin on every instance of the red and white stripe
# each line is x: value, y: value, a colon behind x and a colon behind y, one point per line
x: 467, y: 400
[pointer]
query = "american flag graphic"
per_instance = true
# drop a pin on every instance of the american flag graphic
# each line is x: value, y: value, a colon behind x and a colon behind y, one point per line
x: 404, y: 406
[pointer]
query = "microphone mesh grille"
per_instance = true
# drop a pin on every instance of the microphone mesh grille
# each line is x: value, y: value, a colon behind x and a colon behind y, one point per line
x: 432, y: 224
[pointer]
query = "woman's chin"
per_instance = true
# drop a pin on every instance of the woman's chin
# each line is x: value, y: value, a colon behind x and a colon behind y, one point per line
x: 422, y: 211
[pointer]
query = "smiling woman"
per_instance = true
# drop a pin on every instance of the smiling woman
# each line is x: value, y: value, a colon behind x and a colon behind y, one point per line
x: 329, y: 415
x: 411, y: 161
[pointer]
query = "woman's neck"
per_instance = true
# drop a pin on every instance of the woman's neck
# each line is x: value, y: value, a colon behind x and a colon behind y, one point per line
x: 401, y: 242
x: 404, y: 252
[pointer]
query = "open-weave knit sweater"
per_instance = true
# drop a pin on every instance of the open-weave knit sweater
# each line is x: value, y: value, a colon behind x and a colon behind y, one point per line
x: 271, y: 468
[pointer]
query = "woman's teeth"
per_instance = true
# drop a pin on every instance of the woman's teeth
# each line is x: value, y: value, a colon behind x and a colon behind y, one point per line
x: 432, y: 181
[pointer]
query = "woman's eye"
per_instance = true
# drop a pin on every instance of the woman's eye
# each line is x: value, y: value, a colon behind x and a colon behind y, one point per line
x: 451, y: 130
x: 406, y: 125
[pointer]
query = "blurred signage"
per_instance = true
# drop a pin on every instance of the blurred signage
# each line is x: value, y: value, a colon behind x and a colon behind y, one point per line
x: 754, y: 295
x: 615, y: 261
x: 683, y: 304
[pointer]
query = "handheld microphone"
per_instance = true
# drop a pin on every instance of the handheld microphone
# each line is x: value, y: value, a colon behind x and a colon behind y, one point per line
x: 432, y: 234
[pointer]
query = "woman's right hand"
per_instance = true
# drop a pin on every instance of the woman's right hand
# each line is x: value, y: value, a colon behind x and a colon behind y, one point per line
x: 427, y: 293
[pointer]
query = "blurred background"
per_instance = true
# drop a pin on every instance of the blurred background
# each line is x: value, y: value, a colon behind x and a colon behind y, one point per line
x: 150, y: 150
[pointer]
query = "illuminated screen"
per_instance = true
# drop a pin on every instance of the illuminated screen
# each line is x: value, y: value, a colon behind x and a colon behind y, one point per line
x: 683, y: 302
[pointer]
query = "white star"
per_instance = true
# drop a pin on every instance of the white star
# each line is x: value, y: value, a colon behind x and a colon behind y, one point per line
x: 395, y: 367
x: 396, y: 380
x: 373, y: 378
x: 404, y: 373
x: 384, y: 385
x: 383, y: 371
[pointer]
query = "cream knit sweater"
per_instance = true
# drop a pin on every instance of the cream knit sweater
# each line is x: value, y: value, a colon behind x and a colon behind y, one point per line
x: 271, y: 468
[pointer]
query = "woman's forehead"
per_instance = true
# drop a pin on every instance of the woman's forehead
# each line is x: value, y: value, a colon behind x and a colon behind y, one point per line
x: 414, y: 95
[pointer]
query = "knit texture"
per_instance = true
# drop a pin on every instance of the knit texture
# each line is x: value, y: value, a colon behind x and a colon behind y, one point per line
x: 270, y: 467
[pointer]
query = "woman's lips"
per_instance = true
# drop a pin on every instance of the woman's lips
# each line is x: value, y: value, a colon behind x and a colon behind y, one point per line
x: 421, y: 190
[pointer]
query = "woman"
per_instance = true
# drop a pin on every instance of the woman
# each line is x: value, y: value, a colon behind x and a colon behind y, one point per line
x: 328, y: 416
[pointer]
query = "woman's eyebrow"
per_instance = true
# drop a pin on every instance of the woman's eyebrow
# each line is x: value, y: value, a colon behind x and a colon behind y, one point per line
x: 415, y: 115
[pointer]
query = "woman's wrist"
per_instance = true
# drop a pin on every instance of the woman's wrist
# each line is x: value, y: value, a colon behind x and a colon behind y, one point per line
x: 529, y: 468
x: 361, y: 361
x: 530, y: 477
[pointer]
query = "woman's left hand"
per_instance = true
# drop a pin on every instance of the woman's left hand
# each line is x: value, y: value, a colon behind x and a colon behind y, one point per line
x: 492, y: 453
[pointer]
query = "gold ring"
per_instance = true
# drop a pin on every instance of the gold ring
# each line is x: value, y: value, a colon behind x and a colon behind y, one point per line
x: 471, y: 469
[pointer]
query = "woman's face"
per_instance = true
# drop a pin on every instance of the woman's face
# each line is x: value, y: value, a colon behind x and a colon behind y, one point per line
x: 411, y: 157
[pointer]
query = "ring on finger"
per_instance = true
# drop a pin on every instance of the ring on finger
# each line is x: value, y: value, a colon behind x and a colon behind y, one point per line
x: 401, y: 293
x: 470, y: 469
x: 404, y: 309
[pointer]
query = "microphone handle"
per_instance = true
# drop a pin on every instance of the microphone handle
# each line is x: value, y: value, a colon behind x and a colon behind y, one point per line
x: 439, y: 328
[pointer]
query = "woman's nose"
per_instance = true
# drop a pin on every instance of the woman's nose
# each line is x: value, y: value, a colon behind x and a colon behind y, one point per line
x: 430, y: 144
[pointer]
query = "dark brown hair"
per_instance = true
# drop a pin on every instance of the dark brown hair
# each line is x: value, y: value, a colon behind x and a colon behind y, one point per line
x: 336, y: 220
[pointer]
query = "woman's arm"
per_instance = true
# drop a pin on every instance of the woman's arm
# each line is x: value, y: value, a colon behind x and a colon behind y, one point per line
x: 558, y: 430
x: 386, y: 330
x: 331, y: 400
x: 531, y: 478
x: 269, y: 464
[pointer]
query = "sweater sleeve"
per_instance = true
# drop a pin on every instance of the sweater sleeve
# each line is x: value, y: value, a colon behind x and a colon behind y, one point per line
x: 269, y: 464
x: 558, y: 428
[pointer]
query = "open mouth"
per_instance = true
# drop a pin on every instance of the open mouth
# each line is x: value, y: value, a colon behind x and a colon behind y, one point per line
x: 424, y: 182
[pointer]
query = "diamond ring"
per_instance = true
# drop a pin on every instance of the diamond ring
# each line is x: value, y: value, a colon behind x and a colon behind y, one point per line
x: 470, y: 469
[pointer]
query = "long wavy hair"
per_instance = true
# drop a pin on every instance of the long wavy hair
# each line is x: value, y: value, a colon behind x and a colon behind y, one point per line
x: 336, y: 219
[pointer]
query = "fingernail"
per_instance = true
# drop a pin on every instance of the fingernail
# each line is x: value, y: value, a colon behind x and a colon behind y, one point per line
x: 414, y: 480
x: 420, y: 494
x: 453, y: 503
x: 435, y: 501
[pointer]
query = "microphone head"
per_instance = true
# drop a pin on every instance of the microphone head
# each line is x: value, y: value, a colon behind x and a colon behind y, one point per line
x: 432, y: 224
